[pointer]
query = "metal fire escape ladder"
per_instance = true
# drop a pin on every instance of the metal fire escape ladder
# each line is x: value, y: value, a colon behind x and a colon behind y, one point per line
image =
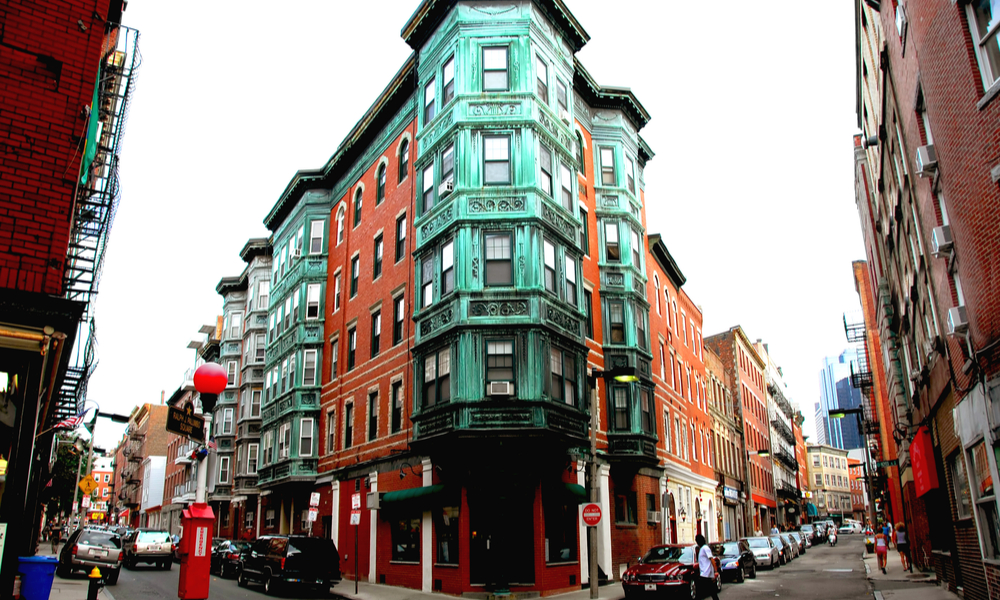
x: 94, y: 209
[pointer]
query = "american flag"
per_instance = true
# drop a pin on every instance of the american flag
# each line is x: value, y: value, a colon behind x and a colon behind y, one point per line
x: 70, y: 423
x: 211, y: 445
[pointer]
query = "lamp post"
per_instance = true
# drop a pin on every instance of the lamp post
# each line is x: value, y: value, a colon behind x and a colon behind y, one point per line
x: 621, y: 375
x: 840, y: 413
x: 90, y: 449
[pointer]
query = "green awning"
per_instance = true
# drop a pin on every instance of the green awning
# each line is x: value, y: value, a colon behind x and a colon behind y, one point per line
x: 420, y: 496
x: 811, y: 509
x: 577, y: 491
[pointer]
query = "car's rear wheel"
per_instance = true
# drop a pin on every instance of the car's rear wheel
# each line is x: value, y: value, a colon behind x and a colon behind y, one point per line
x: 241, y: 579
x: 694, y: 590
x: 166, y: 565
x: 740, y: 575
x: 718, y: 583
x: 753, y: 570
x: 270, y: 586
x: 112, y: 578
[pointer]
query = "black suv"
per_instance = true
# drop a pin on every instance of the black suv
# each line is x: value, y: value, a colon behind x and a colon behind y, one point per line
x: 278, y: 561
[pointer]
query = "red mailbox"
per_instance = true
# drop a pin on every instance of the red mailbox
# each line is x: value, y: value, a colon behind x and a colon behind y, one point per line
x: 196, y: 552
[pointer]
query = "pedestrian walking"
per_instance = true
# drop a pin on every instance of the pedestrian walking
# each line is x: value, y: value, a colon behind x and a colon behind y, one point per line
x: 881, y: 549
x: 887, y: 532
x: 903, y: 546
x: 54, y: 536
x: 706, y: 570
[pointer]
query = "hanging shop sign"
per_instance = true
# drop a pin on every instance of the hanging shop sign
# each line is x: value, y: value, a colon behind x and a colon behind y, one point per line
x: 925, y: 476
x: 730, y: 493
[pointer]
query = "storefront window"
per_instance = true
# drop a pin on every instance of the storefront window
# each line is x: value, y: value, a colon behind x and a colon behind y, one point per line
x: 981, y: 479
x: 560, y: 527
x: 406, y: 538
x: 963, y: 499
x: 447, y: 535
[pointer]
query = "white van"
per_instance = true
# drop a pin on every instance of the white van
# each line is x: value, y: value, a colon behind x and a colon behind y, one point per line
x: 850, y: 526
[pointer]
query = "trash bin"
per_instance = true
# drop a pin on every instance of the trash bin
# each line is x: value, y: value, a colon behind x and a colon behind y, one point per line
x: 37, y: 573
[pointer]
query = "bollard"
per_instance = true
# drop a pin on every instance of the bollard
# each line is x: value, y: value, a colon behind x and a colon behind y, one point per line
x: 95, y: 584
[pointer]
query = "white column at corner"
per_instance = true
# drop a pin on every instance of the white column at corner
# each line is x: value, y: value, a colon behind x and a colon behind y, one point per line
x: 335, y: 514
x: 604, y: 540
x: 426, y: 540
x: 372, y: 530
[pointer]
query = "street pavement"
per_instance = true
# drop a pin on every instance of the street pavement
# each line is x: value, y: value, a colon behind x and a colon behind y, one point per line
x: 824, y: 572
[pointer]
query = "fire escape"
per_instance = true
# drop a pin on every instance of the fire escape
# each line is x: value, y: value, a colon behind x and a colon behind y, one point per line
x: 862, y: 379
x: 95, y: 205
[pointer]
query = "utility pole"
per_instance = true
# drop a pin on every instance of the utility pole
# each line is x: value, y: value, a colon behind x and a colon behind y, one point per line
x: 592, y: 531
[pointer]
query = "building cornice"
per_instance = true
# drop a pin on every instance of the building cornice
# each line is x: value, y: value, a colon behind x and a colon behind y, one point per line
x: 682, y: 474
x: 666, y: 260
x: 613, y: 98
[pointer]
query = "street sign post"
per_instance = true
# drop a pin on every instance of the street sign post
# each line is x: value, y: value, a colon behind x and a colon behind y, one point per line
x: 186, y: 423
x: 887, y: 463
x: 356, y: 521
x: 87, y: 485
x: 591, y: 514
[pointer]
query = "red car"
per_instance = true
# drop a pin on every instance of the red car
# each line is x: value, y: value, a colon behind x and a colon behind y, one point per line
x: 669, y: 571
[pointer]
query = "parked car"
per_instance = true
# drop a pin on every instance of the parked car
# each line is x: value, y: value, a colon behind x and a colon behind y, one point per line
x: 736, y: 560
x: 226, y: 557
x: 850, y: 526
x: 808, y: 532
x: 784, y: 549
x: 89, y: 548
x: 790, y: 543
x: 799, y: 539
x: 820, y: 534
x: 278, y: 561
x: 669, y: 569
x: 150, y: 546
x: 764, y: 551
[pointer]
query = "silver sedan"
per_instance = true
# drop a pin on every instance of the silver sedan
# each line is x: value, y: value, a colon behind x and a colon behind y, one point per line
x: 764, y: 550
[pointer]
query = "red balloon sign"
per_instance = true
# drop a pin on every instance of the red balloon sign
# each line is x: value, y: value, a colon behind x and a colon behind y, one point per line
x: 210, y: 378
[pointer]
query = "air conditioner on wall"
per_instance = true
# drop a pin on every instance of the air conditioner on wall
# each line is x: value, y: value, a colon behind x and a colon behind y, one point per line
x: 446, y: 188
x: 652, y: 516
x: 296, y: 252
x: 500, y: 388
x: 941, y: 240
x: 657, y: 516
x: 926, y: 160
x: 564, y: 115
x: 958, y: 322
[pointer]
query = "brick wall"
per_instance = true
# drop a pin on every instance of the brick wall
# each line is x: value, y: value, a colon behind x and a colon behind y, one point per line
x: 630, y: 542
x: 49, y: 54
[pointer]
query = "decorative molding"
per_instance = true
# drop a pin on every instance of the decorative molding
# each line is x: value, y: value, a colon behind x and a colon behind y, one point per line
x: 562, y: 320
x: 498, y: 309
x: 556, y: 130
x: 638, y: 285
x: 427, y: 229
x: 494, y: 109
x: 475, y: 267
x: 506, y: 204
x: 616, y: 279
x: 494, y: 11
x: 436, y: 321
x: 609, y: 201
x: 568, y: 229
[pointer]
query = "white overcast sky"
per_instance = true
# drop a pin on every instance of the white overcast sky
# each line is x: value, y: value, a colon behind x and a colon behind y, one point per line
x: 752, y: 108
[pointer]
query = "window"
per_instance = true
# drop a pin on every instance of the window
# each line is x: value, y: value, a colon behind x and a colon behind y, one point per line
x: 562, y: 96
x: 305, y: 437
x: 252, y: 458
x: 549, y: 254
x: 640, y: 327
x: 500, y: 360
x: 334, y: 356
x: 231, y: 372
x: 404, y: 159
x: 629, y: 174
x: 309, y: 367
x: 446, y: 528
x: 316, y: 237
x: 448, y: 268
x: 405, y: 536
x: 584, y: 232
x: 400, y: 237
x: 348, y: 425
x: 636, y: 250
x: 545, y: 164
x: 224, y: 469
x: 984, y: 495
x: 357, y: 207
x: 352, y: 344
x: 437, y: 377
x: 269, y: 519
x: 260, y: 347
x: 372, y: 416
x: 263, y: 289
x: 608, y: 167
x: 566, y: 182
x: 496, y: 161
x: 427, y: 281
x: 380, y: 185
x: 963, y: 499
x: 498, y: 259
x: 560, y: 526
x: 543, y: 80
x: 377, y: 267
x: 398, y: 311
x: 355, y: 268
x: 667, y: 440
x: 620, y: 408
x: 819, y: 479
x: 448, y: 164
x: 236, y: 325
x: 268, y: 447
x: 571, y: 280
x: 588, y: 301
x: 255, y: 404
x: 376, y: 331
x: 448, y: 82
x: 429, y: 108
x: 495, y: 69
x: 562, y: 387
x: 396, y: 397
x: 616, y: 312
x: 284, y: 440
x: 581, y: 162
x: 336, y: 292
x: 625, y: 509
x: 612, y: 251
x: 428, y: 193
x: 331, y: 431
x: 312, y: 301
x: 663, y: 363
x: 340, y: 225
x: 984, y: 17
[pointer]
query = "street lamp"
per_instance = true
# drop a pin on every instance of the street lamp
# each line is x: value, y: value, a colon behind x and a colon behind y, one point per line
x: 840, y: 413
x: 621, y: 375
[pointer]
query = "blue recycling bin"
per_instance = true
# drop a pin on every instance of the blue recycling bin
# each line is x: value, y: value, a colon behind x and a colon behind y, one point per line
x: 37, y: 573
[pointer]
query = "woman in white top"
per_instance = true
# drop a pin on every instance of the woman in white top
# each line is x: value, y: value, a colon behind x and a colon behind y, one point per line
x: 706, y: 570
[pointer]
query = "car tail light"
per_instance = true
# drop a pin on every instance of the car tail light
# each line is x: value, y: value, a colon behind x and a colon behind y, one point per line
x: 76, y: 549
x: 233, y: 556
x: 282, y: 563
x: 119, y: 555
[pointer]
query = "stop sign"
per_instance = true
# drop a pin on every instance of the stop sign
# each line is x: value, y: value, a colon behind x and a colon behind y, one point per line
x: 591, y: 514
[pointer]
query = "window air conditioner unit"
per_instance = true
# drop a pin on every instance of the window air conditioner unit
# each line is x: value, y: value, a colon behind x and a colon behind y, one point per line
x: 926, y: 160
x: 958, y: 322
x: 941, y: 240
x: 446, y: 188
x: 564, y: 115
x: 500, y: 388
x: 653, y: 516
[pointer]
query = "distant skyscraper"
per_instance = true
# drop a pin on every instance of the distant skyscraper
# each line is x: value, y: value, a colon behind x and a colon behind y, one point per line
x: 836, y: 392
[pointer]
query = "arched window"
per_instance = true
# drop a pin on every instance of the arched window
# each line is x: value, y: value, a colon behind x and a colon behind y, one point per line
x: 404, y: 159
x: 380, y: 185
x: 656, y: 286
x: 581, y: 164
x: 340, y: 225
x: 357, y: 207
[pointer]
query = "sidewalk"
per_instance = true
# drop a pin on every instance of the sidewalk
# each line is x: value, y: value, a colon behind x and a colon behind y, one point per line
x: 894, y: 570
x: 74, y: 588
x: 895, y: 574
x: 372, y: 591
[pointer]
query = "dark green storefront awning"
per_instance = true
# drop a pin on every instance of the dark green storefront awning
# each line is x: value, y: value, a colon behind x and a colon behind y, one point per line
x: 577, y: 491
x: 811, y: 509
x: 420, y: 497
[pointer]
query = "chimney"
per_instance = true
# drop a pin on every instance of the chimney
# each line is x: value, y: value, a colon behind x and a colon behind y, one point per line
x: 163, y: 395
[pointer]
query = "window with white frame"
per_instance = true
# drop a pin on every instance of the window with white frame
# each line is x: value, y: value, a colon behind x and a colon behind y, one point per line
x: 543, y: 80
x: 376, y: 336
x: 260, y: 348
x: 312, y: 301
x: 227, y: 421
x: 309, y: 367
x: 231, y: 372
x: 236, y: 325
x: 340, y: 224
x: 496, y: 160
x: 960, y: 483
x: 667, y: 438
x: 545, y: 165
x: 334, y: 357
x: 268, y: 446
x: 400, y: 237
x: 562, y: 96
x: 252, y: 458
x: 316, y: 237
x: 985, y: 498
x: 428, y: 187
x: 305, y: 437
x: 448, y: 164
x: 630, y: 174
x: 636, y: 250
x: 562, y: 386
x: 336, y: 292
x: 608, y: 167
x: 984, y: 22
x: 224, y: 469
x: 448, y: 81
x: 427, y: 281
x: 437, y: 377
x: 448, y: 268
x: 429, y: 106
x: 566, y: 182
x: 285, y: 441
x: 495, y: 69
x: 570, y: 280
x: 612, y: 249
x: 499, y: 270
x: 255, y: 396
x: 331, y: 431
x: 549, y: 259
x: 404, y: 159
